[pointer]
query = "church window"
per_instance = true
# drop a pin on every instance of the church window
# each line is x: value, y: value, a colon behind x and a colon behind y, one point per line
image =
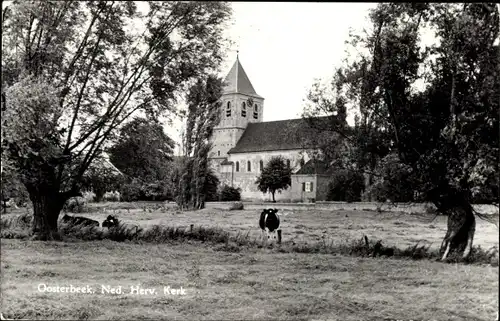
x: 243, y: 110
x: 255, y: 111
x: 261, y: 165
x: 228, y: 109
x: 237, y: 166
x: 249, y: 166
x: 218, y: 153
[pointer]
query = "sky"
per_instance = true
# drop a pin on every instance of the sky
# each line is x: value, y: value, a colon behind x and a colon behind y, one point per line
x: 285, y: 46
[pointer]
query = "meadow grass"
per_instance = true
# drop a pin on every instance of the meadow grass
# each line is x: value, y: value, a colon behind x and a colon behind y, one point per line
x: 250, y: 284
x: 323, y: 270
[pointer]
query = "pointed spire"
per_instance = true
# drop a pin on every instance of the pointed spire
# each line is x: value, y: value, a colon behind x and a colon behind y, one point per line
x: 237, y: 80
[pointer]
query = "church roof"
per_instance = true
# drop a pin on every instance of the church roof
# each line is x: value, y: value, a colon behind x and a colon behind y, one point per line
x: 237, y: 81
x: 277, y: 135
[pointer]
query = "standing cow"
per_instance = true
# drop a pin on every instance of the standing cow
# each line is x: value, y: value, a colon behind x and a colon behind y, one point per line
x: 269, y: 223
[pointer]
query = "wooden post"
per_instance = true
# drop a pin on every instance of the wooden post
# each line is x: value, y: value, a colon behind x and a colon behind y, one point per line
x: 279, y: 236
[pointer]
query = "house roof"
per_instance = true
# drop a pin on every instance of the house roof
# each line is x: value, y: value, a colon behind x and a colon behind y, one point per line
x: 237, y: 81
x: 102, y: 163
x: 226, y: 162
x: 313, y: 167
x: 278, y: 135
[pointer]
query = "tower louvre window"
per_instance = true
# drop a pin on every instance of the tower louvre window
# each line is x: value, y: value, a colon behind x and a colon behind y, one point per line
x: 228, y: 109
x: 243, y: 109
x: 255, y: 111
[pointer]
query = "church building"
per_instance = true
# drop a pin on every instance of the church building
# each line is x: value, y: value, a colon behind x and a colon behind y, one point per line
x: 242, y: 144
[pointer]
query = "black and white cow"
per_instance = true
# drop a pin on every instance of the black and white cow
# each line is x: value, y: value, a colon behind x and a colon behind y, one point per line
x: 269, y: 223
x: 79, y: 220
x: 110, y: 221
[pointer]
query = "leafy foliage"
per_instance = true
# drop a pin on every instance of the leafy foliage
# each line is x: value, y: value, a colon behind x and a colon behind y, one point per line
x: 445, y: 130
x: 229, y: 193
x: 196, y: 180
x: 275, y: 176
x: 73, y: 72
x: 394, y: 181
x: 211, y: 186
x: 441, y: 131
x: 143, y: 150
x: 12, y: 188
x: 346, y: 186
x: 140, y: 190
x: 75, y: 205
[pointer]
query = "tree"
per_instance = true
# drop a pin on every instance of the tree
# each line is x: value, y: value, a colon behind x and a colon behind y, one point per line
x: 447, y: 131
x: 394, y: 181
x: 73, y: 72
x: 196, y: 179
x: 345, y: 186
x: 143, y: 150
x: 275, y: 176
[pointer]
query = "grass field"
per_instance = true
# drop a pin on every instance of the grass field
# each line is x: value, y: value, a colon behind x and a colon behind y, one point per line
x: 251, y: 282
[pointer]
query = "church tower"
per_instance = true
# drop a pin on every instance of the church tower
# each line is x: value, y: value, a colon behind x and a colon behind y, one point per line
x: 240, y: 105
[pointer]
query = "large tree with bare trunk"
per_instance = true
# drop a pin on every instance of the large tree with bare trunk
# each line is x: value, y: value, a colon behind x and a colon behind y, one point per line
x: 74, y: 71
x: 447, y: 131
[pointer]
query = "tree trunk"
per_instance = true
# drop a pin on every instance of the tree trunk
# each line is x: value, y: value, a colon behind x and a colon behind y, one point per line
x: 272, y: 193
x: 46, y: 208
x: 461, y: 230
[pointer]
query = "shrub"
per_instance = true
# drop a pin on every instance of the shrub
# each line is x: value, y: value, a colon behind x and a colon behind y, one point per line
x: 228, y: 194
x: 131, y: 192
x: 89, y: 196
x: 153, y: 191
x: 113, y: 196
x: 211, y: 185
x: 137, y: 190
x: 346, y: 186
x: 75, y: 205
x: 396, y: 181
x: 377, y: 192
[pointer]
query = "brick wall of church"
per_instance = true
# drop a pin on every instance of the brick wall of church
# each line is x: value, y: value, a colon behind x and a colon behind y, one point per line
x: 246, y: 179
x: 223, y: 140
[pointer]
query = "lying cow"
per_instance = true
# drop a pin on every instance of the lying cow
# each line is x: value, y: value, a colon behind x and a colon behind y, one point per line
x: 110, y: 221
x: 79, y: 220
x: 269, y: 223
